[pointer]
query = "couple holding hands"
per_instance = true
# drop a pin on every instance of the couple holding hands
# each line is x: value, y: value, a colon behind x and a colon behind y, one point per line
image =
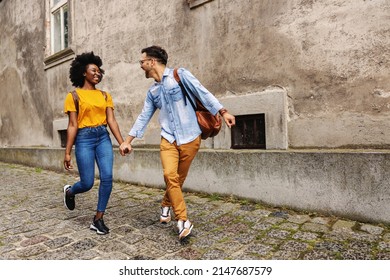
x: 90, y: 110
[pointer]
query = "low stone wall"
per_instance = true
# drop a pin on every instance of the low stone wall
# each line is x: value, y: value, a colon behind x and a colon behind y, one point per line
x: 350, y: 184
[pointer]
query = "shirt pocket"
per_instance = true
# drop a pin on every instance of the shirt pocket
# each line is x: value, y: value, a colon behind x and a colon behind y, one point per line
x: 157, y: 100
x: 175, y: 93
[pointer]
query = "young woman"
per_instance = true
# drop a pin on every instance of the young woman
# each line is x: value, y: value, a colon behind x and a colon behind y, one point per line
x: 90, y: 110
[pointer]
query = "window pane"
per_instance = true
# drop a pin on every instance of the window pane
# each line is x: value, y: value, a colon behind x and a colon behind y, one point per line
x: 56, y: 31
x: 65, y: 9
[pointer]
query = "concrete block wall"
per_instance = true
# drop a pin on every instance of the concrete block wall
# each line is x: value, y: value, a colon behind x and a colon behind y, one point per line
x: 350, y: 184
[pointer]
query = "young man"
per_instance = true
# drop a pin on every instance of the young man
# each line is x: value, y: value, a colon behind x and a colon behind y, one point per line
x: 180, y: 132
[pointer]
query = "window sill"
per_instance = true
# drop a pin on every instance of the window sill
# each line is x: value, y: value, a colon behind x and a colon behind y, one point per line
x: 58, y: 58
x: 196, y: 3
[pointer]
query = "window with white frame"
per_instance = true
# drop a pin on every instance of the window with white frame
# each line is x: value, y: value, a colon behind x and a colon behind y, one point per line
x: 59, y: 25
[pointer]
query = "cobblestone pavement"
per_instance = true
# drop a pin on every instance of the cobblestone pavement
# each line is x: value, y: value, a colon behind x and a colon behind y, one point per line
x: 34, y: 224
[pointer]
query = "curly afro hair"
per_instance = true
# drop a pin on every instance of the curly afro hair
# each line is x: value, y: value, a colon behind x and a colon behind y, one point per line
x: 79, y: 66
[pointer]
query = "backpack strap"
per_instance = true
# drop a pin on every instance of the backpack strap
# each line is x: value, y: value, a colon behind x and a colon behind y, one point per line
x: 104, y: 94
x: 185, y: 93
x: 76, y: 100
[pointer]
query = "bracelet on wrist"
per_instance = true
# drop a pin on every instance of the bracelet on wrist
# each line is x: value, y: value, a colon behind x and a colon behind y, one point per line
x: 222, y: 111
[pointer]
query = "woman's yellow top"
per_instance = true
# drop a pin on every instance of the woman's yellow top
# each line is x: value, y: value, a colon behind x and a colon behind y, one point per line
x: 92, y: 107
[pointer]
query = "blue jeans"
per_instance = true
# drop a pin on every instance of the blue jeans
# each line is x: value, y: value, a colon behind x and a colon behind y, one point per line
x: 94, y: 143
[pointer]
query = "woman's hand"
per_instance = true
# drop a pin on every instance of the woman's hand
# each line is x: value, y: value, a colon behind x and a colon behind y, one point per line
x: 67, y: 164
x: 125, y: 148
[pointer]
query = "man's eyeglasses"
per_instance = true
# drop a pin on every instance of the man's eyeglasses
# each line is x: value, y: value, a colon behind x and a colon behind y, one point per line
x: 142, y: 61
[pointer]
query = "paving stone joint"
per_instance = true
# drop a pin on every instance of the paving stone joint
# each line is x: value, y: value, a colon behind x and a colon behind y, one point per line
x: 36, y: 226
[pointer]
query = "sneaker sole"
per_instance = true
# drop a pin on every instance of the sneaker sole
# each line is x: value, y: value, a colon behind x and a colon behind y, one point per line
x: 92, y: 227
x: 185, y: 232
x: 165, y: 220
x: 65, y: 187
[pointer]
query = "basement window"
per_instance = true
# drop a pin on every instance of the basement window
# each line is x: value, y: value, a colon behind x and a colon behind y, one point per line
x: 249, y: 132
x: 62, y: 134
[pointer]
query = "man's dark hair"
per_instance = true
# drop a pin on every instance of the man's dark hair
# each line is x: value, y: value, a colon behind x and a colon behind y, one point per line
x: 79, y: 66
x: 156, y: 52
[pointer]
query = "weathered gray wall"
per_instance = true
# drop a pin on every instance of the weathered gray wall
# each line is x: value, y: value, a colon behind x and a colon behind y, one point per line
x: 331, y: 57
x: 26, y: 111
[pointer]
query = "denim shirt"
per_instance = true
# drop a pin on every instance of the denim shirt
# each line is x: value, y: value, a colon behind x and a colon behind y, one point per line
x: 177, y: 120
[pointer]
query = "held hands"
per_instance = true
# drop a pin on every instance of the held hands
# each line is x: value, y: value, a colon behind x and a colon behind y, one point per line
x: 125, y: 148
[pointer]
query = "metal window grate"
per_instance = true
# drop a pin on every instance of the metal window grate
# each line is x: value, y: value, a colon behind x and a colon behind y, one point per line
x: 249, y: 132
x: 62, y: 134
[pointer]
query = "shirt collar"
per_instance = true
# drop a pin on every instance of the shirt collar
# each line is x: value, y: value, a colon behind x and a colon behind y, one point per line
x: 165, y: 74
x: 166, y: 71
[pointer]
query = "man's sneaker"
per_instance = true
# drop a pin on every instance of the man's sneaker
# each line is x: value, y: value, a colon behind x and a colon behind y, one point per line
x: 184, y: 228
x: 165, y: 215
x: 68, y: 199
x: 99, y: 226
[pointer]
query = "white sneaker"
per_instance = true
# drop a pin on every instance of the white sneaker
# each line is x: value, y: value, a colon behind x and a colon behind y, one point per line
x: 184, y: 228
x: 165, y: 215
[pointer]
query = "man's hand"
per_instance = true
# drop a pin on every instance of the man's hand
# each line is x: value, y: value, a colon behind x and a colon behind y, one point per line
x: 230, y: 120
x: 125, y: 148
